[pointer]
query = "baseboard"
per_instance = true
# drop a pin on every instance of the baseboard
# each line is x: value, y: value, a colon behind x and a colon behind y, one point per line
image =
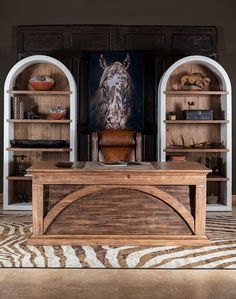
x: 234, y: 200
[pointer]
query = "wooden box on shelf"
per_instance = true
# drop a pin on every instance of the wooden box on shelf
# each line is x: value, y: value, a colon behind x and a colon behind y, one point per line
x: 198, y: 138
x: 23, y: 131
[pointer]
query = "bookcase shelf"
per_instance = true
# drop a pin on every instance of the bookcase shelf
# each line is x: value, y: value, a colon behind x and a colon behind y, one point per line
x: 45, y: 93
x: 182, y: 121
x: 199, y: 93
x: 173, y: 100
x: 40, y: 121
x: 21, y: 149
x: 18, y: 188
x: 195, y: 150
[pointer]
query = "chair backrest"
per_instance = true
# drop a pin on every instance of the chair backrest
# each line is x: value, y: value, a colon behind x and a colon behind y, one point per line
x: 116, y: 145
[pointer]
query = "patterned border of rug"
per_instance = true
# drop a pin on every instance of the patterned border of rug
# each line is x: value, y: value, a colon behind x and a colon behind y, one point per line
x: 220, y: 254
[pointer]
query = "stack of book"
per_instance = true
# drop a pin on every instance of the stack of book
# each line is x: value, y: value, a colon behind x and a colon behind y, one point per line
x: 178, y: 158
x: 18, y: 108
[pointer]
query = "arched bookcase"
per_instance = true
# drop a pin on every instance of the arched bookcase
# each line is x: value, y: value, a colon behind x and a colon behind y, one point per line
x: 18, y: 187
x: 204, y: 140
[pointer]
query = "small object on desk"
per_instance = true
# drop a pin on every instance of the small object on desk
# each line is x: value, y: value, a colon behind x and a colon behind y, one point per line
x: 64, y: 164
x: 119, y: 163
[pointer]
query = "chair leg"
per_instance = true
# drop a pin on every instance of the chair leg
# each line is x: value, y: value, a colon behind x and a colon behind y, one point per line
x: 94, y: 146
x: 138, y: 142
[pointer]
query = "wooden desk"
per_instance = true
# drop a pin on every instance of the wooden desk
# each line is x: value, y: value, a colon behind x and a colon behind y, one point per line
x: 167, y: 205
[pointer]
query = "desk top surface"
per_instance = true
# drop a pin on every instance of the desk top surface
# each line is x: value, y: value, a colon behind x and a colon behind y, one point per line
x: 81, y: 166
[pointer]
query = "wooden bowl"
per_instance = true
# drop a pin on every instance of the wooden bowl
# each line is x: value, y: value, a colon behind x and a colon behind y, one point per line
x: 42, y: 85
x: 56, y: 115
x: 64, y: 164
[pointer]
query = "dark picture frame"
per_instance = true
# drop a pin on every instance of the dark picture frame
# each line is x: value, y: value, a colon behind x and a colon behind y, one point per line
x: 116, y: 90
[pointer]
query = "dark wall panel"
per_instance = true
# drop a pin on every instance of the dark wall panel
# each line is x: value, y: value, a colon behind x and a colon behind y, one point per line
x: 158, y: 44
x: 129, y: 13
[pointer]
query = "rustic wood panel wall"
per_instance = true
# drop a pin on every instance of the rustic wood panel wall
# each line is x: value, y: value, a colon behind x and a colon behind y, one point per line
x: 161, y: 45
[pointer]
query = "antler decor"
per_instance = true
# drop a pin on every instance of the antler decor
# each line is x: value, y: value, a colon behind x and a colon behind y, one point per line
x: 200, y: 145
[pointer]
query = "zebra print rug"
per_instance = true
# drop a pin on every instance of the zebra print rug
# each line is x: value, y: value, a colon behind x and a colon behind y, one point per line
x: 220, y: 254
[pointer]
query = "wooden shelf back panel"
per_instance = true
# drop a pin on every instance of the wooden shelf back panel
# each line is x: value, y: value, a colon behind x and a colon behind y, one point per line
x: 191, y: 132
x: 35, y: 157
x: 42, y: 131
x: 41, y: 104
x: 179, y: 104
x: 48, y: 69
x: 188, y: 68
x: 20, y: 195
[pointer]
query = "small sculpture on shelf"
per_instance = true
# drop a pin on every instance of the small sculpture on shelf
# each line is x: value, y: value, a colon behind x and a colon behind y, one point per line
x: 21, y: 163
x: 22, y: 196
x: 193, y: 80
x: 172, y: 116
x: 32, y: 115
x: 191, y: 105
x: 212, y: 199
x: 216, y: 165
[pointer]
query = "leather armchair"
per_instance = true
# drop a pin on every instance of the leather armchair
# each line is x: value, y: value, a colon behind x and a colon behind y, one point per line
x: 116, y: 145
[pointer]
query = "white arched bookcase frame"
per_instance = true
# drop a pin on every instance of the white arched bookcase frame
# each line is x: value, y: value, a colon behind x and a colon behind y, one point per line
x: 11, y: 78
x: 226, y: 129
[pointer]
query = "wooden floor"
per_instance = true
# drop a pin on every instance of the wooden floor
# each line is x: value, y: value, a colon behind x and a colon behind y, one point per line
x: 117, y: 284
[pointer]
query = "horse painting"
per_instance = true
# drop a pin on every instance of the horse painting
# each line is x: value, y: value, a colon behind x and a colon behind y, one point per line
x: 111, y: 105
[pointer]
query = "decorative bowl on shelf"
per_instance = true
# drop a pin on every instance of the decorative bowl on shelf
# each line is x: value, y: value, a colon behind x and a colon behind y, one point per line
x: 42, y: 82
x: 56, y: 113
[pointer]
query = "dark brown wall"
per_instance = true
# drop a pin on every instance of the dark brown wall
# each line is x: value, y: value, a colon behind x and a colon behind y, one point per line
x: 127, y: 12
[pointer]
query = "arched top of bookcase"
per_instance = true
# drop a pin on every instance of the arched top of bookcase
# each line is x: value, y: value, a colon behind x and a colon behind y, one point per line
x: 25, y: 63
x: 210, y: 64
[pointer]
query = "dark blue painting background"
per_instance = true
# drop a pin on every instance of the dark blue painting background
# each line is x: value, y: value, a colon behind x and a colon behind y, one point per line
x: 136, y: 71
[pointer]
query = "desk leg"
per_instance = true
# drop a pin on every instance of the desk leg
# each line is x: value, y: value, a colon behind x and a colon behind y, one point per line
x: 200, y: 210
x: 37, y: 209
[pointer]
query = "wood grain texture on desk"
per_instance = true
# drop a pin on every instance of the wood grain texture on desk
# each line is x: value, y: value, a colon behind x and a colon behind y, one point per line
x: 82, y: 166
